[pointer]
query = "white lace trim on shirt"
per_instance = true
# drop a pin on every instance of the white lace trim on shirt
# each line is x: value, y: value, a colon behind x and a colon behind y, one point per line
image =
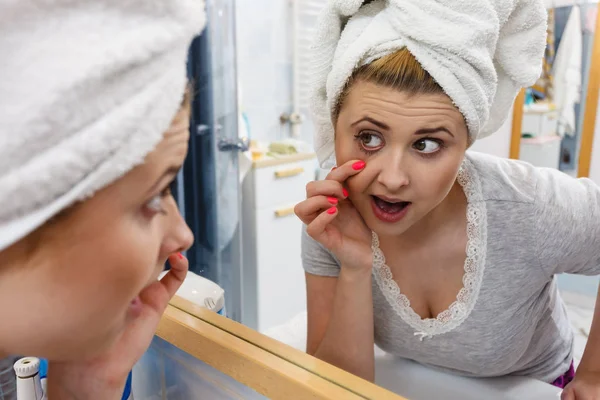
x: 474, y: 266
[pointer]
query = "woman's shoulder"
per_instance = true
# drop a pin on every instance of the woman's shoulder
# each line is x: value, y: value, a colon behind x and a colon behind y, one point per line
x: 503, y: 179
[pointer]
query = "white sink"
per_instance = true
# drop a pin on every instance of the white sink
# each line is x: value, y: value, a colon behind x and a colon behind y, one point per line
x: 417, y: 382
x: 201, y: 292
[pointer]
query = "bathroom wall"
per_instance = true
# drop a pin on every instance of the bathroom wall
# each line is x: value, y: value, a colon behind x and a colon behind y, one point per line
x: 264, y: 49
x: 497, y: 144
x: 582, y: 285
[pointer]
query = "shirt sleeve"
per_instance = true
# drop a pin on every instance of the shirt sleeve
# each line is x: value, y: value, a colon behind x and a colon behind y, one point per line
x: 316, y: 259
x: 567, y: 221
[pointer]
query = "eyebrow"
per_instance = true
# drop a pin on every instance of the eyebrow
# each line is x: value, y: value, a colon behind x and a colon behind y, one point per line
x: 424, y: 131
x: 428, y: 131
x: 373, y: 121
x: 172, y: 171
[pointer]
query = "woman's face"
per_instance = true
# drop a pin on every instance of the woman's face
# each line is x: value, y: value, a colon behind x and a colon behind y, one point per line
x: 413, y: 148
x: 73, y: 295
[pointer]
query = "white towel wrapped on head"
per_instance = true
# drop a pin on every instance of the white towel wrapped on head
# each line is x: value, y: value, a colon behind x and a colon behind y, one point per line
x: 87, y: 90
x: 481, y: 52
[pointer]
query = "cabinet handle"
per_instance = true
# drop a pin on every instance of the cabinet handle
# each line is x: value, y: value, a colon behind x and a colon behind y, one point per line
x: 287, y: 173
x: 284, y: 212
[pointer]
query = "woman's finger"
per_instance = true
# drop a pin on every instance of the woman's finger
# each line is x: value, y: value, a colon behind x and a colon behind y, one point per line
x: 158, y: 294
x: 346, y: 170
x: 316, y: 229
x: 310, y: 208
x: 326, y: 188
x: 155, y: 299
x: 173, y: 280
x: 567, y: 394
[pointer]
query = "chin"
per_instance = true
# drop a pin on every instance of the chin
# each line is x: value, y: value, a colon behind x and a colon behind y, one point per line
x: 74, y: 351
x: 104, y: 340
x: 389, y: 229
x: 100, y: 346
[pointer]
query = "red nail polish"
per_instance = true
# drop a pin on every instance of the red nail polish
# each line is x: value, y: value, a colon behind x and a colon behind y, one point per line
x: 357, y: 166
x: 332, y: 200
x: 345, y: 192
x: 180, y: 256
x: 331, y: 211
x: 333, y: 168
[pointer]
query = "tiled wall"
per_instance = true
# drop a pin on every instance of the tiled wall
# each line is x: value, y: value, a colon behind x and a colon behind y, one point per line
x: 167, y: 373
x: 264, y: 61
x: 264, y: 48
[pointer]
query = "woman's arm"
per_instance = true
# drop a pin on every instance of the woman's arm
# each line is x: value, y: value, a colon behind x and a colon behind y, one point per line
x: 340, y: 321
x: 586, y: 384
x: 590, y: 362
x: 338, y: 259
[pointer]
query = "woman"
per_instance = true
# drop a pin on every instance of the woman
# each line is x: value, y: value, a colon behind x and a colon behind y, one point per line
x: 94, y: 128
x: 412, y: 243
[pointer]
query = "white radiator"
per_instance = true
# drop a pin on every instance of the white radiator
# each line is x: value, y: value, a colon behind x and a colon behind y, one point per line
x: 305, y: 13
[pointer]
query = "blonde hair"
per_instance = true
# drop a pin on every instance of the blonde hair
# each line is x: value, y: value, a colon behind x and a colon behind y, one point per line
x: 399, y: 70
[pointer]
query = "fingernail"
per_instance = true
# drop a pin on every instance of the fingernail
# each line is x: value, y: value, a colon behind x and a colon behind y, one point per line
x: 180, y: 256
x: 358, y: 165
x: 345, y: 192
x: 331, y: 211
x: 333, y: 168
x: 332, y: 200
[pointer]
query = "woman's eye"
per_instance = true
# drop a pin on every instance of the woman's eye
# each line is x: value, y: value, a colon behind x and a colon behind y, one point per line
x: 370, y: 140
x: 155, y: 204
x: 427, y: 146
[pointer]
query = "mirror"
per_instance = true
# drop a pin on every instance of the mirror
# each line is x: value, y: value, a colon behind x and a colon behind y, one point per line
x: 256, y: 268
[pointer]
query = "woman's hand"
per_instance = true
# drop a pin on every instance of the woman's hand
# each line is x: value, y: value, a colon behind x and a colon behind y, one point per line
x: 585, y: 386
x: 104, y: 377
x: 333, y: 221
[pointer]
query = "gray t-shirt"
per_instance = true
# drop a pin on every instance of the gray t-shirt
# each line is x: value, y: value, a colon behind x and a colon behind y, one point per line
x: 525, y: 225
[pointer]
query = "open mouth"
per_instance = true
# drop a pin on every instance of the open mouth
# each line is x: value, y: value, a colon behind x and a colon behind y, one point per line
x: 389, y: 211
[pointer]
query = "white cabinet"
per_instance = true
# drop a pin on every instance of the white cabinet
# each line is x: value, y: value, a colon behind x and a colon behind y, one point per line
x: 273, y: 287
x: 542, y: 151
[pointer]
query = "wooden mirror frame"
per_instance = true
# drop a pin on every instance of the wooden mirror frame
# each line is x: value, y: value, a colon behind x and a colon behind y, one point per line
x: 271, y: 368
x: 589, y: 116
x: 591, y: 107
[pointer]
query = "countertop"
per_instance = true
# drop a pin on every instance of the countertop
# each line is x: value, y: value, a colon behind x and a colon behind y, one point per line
x: 268, y: 161
x: 417, y: 382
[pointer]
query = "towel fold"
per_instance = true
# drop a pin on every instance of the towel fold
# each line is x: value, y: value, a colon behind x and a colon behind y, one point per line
x: 88, y: 88
x: 480, y: 52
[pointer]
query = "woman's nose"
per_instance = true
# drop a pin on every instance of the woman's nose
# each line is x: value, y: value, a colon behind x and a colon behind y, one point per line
x: 392, y: 174
x: 179, y: 236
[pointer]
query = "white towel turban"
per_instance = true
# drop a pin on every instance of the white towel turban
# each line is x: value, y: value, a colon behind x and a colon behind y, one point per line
x: 87, y: 90
x: 481, y: 52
